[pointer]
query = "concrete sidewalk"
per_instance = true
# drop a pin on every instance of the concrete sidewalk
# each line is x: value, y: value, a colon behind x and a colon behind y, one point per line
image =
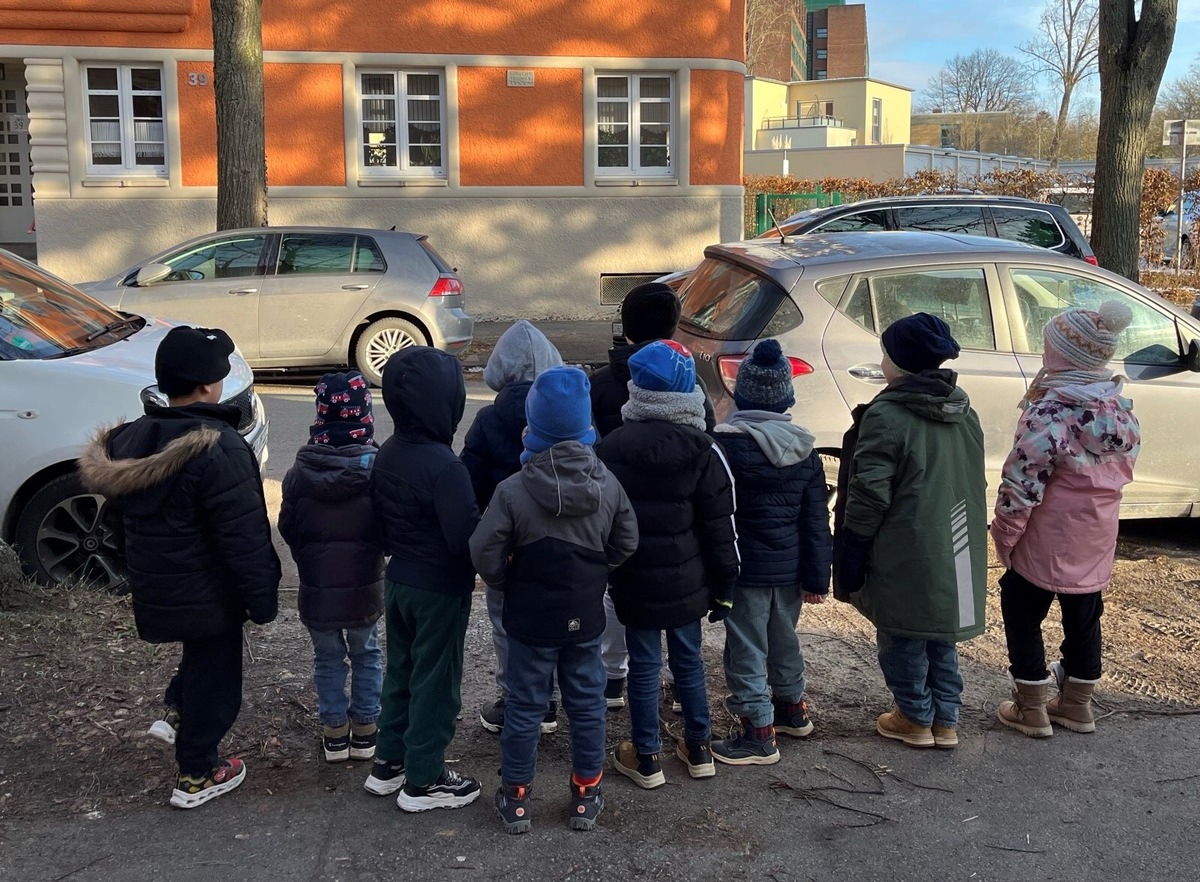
x: 581, y: 343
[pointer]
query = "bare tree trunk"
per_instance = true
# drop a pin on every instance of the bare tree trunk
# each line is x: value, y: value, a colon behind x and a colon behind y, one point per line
x: 241, y: 130
x: 1133, y: 56
x: 1060, y: 126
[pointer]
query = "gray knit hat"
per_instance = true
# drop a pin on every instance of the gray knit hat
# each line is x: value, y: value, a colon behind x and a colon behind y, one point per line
x: 764, y: 380
x: 1087, y: 338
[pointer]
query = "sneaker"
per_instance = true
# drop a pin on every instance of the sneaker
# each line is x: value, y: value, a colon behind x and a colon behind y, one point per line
x: 898, y: 727
x: 586, y: 804
x: 643, y: 769
x: 698, y: 759
x: 167, y: 728
x: 451, y: 790
x: 362, y: 740
x: 550, y: 721
x: 614, y: 692
x: 385, y: 779
x: 676, y: 706
x: 492, y: 716
x: 945, y: 737
x: 792, y: 718
x: 512, y: 805
x: 744, y: 749
x: 336, y: 742
x: 191, y: 791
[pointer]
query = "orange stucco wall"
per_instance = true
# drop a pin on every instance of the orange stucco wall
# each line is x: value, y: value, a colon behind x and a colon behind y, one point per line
x: 647, y: 28
x: 303, y: 118
x: 716, y: 105
x: 520, y: 136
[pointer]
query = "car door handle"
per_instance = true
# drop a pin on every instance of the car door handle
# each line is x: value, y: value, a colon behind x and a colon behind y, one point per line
x: 355, y: 287
x: 866, y: 372
x: 242, y: 292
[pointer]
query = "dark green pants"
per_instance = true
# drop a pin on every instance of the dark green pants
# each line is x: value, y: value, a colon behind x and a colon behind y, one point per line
x: 422, y: 687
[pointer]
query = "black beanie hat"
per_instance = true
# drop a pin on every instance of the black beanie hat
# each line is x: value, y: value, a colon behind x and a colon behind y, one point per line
x: 649, y: 312
x: 190, y: 357
x: 919, y: 342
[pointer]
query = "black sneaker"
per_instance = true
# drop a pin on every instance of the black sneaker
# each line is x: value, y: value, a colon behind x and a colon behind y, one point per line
x: 698, y: 758
x: 746, y: 750
x: 586, y: 805
x: 167, y: 728
x: 614, y: 692
x: 792, y: 719
x: 643, y: 769
x: 451, y: 790
x: 492, y: 716
x: 362, y: 740
x: 512, y: 805
x: 550, y: 721
x: 386, y: 778
x: 336, y: 743
x: 191, y: 791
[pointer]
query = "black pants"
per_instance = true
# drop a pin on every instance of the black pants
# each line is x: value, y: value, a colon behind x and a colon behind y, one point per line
x: 207, y: 690
x: 1024, y: 607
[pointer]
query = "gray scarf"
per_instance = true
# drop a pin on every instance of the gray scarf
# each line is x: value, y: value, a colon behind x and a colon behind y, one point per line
x: 684, y: 408
x: 1046, y: 380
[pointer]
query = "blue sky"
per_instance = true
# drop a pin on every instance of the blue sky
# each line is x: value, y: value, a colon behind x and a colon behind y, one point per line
x: 911, y: 39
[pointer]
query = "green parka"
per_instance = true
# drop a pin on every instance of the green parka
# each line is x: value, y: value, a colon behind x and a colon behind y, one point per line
x: 915, y: 488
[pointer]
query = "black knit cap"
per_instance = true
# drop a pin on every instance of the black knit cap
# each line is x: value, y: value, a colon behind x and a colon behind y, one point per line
x: 919, y: 342
x: 190, y: 357
x: 649, y: 312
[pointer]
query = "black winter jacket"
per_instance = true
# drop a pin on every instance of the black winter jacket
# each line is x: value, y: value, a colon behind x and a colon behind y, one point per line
x: 327, y: 520
x: 682, y: 492
x: 197, y: 537
x: 420, y: 490
x: 782, y: 510
x: 610, y: 391
x: 493, y: 447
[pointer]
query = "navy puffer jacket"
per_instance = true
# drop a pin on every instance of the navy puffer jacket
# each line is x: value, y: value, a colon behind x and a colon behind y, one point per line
x: 327, y: 521
x: 492, y: 449
x: 782, y: 510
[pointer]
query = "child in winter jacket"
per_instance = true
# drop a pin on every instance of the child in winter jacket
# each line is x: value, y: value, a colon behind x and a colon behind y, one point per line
x: 548, y: 541
x: 783, y: 536
x: 911, y: 543
x: 327, y: 521
x: 686, y: 562
x: 492, y: 452
x: 421, y: 493
x: 1076, y: 444
x: 198, y: 544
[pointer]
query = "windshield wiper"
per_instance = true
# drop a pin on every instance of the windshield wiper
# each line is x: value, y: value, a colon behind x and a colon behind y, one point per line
x: 112, y: 326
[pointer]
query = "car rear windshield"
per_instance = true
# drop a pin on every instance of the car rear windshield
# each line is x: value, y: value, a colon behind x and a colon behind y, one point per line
x: 723, y: 301
x: 41, y: 319
x: 438, y: 260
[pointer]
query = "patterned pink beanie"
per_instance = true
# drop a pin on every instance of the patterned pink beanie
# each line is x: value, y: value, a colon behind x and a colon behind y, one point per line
x: 1085, y: 338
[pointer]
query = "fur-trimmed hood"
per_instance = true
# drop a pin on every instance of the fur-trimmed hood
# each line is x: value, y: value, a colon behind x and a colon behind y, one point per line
x: 103, y: 473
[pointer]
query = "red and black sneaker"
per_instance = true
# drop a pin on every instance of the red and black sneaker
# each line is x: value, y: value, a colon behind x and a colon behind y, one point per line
x: 192, y: 791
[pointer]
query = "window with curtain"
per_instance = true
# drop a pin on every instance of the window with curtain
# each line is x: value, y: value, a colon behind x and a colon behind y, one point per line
x: 402, y: 123
x: 126, y: 129
x: 635, y: 124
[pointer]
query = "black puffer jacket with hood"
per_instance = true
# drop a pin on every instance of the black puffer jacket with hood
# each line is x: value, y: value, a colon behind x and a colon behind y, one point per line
x: 548, y: 541
x: 420, y: 490
x: 327, y: 520
x: 197, y: 537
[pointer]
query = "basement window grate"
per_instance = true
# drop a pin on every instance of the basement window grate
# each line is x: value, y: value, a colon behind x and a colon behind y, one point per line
x: 614, y: 286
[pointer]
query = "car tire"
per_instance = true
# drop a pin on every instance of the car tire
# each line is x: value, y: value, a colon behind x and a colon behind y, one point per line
x: 382, y: 339
x: 65, y: 535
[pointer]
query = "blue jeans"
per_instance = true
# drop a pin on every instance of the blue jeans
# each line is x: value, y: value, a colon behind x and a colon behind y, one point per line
x: 645, y: 667
x: 330, y: 649
x: 923, y: 678
x: 762, y: 649
x: 581, y: 680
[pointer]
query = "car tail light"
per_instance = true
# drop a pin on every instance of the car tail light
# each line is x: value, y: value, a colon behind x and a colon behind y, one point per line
x: 728, y: 366
x: 446, y: 286
x: 1091, y: 258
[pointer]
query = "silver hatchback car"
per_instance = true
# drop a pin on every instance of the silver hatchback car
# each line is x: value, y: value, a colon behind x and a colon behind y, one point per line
x: 827, y: 298
x: 304, y: 296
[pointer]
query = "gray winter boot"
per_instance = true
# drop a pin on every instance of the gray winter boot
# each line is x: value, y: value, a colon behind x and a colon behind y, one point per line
x: 1026, y: 712
x: 1072, y: 707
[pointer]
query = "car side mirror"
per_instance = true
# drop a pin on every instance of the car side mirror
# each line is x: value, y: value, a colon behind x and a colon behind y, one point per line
x: 1191, y: 360
x: 151, y: 273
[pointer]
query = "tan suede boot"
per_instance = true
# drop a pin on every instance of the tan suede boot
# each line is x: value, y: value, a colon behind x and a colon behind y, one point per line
x: 1072, y: 707
x: 1026, y: 712
x: 895, y: 725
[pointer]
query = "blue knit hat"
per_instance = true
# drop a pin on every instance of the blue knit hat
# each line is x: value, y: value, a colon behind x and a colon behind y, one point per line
x: 919, y: 342
x: 663, y: 366
x: 558, y: 408
x: 764, y: 380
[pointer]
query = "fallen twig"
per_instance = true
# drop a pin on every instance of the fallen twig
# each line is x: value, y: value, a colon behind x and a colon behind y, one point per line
x: 1018, y: 850
x: 1175, y: 780
x: 249, y: 648
x: 81, y: 869
x: 104, y: 728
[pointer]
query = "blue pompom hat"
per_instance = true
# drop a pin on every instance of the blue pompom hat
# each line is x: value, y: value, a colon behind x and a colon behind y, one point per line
x: 764, y: 380
x: 663, y: 366
x: 558, y: 408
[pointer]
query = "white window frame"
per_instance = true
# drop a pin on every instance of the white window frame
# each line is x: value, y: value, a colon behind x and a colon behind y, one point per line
x: 128, y: 166
x: 634, y: 101
x: 403, y: 167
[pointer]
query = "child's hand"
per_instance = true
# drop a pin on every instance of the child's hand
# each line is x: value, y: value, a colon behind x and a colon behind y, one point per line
x: 809, y: 597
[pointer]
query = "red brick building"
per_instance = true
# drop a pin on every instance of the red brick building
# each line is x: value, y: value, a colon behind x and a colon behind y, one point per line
x: 837, y: 40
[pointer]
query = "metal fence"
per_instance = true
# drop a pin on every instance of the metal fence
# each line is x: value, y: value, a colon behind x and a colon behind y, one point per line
x: 784, y: 205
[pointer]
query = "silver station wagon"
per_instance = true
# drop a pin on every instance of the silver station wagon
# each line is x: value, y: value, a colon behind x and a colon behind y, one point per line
x: 827, y: 298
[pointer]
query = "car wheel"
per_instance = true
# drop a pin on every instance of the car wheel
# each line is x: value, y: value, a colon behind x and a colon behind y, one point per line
x: 65, y: 534
x: 380, y: 341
